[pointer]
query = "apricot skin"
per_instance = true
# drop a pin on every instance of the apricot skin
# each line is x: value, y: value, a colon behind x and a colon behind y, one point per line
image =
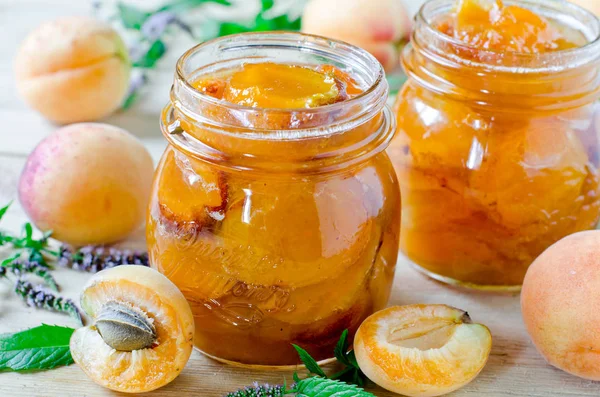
x: 560, y: 301
x: 73, y: 69
x: 378, y: 26
x: 89, y: 183
x: 591, y: 5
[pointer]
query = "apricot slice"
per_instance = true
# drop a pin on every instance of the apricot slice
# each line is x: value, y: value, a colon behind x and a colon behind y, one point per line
x: 189, y: 190
x: 143, y: 330
x: 422, y: 350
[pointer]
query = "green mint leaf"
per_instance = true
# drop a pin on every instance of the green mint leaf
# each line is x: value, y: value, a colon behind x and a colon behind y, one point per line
x: 358, y: 378
x: 228, y: 28
x: 130, y: 100
x: 320, y: 387
x: 311, y: 363
x: 341, y: 348
x: 10, y: 260
x: 154, y: 53
x: 43, y: 347
x: 352, y: 359
x: 132, y: 17
x: 182, y: 5
x: 267, y: 4
x: 28, y: 232
x: 4, y: 209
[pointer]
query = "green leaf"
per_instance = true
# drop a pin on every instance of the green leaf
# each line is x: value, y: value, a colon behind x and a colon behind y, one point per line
x: 43, y: 347
x: 182, y: 5
x: 132, y: 17
x: 352, y: 359
x: 311, y: 363
x: 4, y: 209
x: 154, y: 53
x: 341, y: 348
x: 10, y: 260
x: 320, y: 387
x: 28, y: 232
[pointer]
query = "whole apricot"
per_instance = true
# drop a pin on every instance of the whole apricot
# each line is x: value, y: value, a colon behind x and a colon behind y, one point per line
x: 89, y: 183
x: 591, y: 5
x: 560, y: 302
x: 73, y: 69
x: 378, y: 26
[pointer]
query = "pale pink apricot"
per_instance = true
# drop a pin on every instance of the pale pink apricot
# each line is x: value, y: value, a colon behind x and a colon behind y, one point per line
x: 89, y: 183
x: 560, y: 302
x: 73, y: 69
x: 591, y: 5
x: 378, y: 26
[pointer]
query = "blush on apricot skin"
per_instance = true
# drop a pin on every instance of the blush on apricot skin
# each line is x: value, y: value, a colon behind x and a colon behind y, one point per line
x: 378, y: 26
x: 560, y: 302
x: 88, y: 183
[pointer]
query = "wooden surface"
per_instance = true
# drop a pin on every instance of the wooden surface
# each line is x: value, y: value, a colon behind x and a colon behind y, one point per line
x: 514, y: 368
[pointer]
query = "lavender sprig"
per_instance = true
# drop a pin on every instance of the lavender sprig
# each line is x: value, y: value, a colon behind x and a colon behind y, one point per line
x: 257, y: 390
x: 92, y: 259
x: 38, y: 296
x: 21, y: 267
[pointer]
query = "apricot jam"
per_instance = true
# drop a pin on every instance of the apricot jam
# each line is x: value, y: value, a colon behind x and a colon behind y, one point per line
x: 497, y: 147
x: 275, y: 209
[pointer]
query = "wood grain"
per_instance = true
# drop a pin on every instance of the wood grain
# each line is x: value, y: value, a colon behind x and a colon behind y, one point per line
x: 514, y: 368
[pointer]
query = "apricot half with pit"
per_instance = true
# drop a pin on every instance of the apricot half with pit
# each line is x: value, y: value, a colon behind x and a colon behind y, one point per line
x: 422, y: 350
x: 142, y: 331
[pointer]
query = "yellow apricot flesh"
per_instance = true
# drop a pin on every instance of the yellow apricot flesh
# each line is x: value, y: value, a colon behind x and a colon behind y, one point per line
x: 158, y: 298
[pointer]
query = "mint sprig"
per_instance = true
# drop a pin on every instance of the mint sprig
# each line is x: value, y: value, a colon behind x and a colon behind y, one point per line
x: 351, y: 372
x: 43, y: 347
x: 346, y: 383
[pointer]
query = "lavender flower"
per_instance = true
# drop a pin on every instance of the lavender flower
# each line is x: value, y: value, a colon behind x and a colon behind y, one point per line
x: 38, y: 296
x: 93, y: 259
x: 257, y: 390
x: 22, y: 267
x: 155, y: 26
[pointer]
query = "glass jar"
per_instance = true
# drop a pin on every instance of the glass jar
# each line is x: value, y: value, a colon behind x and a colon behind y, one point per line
x: 496, y: 153
x: 280, y: 226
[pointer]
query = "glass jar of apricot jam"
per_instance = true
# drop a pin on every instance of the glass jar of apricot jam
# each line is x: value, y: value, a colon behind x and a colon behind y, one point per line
x: 497, y: 144
x: 275, y: 208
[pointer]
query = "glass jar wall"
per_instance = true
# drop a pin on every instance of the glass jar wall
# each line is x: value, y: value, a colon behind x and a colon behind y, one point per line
x: 280, y: 226
x: 496, y: 151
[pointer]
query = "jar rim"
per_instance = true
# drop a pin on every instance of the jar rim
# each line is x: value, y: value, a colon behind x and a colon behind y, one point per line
x: 521, y: 62
x: 307, y: 139
x: 303, y: 42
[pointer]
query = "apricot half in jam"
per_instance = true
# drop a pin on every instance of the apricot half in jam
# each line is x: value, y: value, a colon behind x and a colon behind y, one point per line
x: 275, y: 85
x: 492, y: 25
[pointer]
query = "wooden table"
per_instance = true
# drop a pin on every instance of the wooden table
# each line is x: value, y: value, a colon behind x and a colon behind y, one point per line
x: 514, y: 368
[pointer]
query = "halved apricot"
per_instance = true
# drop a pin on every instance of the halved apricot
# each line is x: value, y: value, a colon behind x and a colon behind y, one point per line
x: 143, y: 330
x: 422, y: 350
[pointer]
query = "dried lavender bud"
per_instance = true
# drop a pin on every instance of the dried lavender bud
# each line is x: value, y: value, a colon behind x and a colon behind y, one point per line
x: 257, y: 390
x: 38, y: 296
x: 93, y: 259
x: 21, y: 267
